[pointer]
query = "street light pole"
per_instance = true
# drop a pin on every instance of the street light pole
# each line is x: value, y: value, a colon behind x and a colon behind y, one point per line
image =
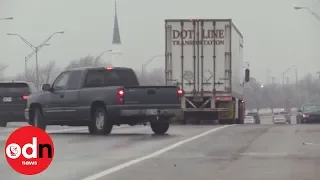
x: 26, y: 61
x: 36, y: 49
x: 98, y: 57
x: 7, y: 18
x: 312, y: 12
x: 296, y: 71
x: 284, y: 73
x: 149, y: 61
x: 248, y: 64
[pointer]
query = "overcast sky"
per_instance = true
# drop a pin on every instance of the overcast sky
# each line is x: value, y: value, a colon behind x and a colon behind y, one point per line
x: 275, y: 35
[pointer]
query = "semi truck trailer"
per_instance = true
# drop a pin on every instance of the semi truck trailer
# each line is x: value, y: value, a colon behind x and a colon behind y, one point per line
x: 205, y: 58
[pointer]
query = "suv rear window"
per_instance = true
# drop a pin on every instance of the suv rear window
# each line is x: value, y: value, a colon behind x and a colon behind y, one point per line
x: 14, y: 88
x: 114, y: 77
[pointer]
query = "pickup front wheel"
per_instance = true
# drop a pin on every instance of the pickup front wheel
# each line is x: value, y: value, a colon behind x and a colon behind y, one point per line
x: 38, y: 119
x: 159, y: 127
x: 100, y: 123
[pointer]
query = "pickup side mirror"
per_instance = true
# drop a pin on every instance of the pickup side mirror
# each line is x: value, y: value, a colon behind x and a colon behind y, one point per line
x: 299, y: 110
x: 46, y: 87
x: 247, y: 75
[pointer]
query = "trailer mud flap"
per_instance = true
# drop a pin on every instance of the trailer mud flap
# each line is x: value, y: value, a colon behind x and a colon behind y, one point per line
x: 226, y: 114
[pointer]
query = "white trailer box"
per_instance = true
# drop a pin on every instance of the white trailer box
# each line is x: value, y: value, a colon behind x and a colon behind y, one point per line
x: 204, y: 57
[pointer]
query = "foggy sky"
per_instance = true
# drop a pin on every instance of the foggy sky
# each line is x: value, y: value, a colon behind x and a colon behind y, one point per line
x: 275, y: 35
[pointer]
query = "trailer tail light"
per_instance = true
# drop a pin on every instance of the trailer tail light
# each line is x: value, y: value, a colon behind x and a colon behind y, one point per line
x: 25, y: 97
x: 120, y: 96
x: 223, y: 98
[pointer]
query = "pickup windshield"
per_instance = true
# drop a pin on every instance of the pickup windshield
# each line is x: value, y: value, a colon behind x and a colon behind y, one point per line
x: 114, y: 77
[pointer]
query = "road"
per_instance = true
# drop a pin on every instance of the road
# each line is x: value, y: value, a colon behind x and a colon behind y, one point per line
x: 206, y: 152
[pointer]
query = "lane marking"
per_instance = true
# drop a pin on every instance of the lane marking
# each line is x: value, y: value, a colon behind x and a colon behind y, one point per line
x: 10, y: 129
x: 152, y: 155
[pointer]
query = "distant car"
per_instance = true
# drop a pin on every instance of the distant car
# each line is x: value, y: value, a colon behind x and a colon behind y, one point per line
x: 279, y: 119
x: 256, y: 116
x: 287, y: 115
x: 249, y: 120
x: 309, y: 113
x: 14, y: 96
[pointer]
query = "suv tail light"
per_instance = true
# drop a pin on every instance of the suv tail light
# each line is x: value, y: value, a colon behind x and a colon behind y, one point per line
x: 180, y: 94
x: 120, y: 95
x: 25, y: 97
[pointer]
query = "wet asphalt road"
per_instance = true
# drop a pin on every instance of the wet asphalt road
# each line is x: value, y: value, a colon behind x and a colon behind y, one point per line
x: 239, y: 152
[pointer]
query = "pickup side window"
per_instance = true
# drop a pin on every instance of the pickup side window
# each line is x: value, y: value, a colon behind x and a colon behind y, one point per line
x: 74, y: 80
x: 61, y: 82
x: 114, y: 77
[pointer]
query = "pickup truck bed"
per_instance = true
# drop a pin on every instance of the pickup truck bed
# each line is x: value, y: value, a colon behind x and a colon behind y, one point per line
x: 104, y: 97
x: 148, y: 101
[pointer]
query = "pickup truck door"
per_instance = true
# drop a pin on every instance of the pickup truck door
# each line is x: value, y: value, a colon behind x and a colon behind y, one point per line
x: 71, y: 97
x: 55, y: 110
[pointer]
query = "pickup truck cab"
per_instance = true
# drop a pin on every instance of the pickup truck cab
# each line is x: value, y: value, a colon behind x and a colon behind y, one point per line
x: 100, y: 98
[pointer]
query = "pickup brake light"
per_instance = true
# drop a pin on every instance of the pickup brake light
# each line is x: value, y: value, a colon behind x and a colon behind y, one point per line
x: 305, y: 115
x: 25, y: 97
x: 108, y: 68
x: 180, y: 93
x: 120, y: 95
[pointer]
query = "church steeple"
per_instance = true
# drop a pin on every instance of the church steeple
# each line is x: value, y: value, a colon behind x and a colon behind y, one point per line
x: 116, y: 32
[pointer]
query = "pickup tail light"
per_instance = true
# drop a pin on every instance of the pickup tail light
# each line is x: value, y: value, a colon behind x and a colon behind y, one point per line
x: 25, y: 97
x: 180, y: 94
x: 305, y: 115
x: 108, y: 68
x: 120, y: 96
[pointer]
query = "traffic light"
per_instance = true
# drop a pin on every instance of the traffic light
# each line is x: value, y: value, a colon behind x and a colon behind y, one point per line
x: 247, y: 75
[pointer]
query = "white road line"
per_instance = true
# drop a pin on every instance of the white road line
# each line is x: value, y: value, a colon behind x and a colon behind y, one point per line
x: 152, y: 155
x: 57, y: 130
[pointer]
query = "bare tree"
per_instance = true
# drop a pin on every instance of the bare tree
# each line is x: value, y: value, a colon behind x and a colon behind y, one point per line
x: 3, y: 67
x: 47, y: 74
x: 153, y: 77
x: 88, y: 61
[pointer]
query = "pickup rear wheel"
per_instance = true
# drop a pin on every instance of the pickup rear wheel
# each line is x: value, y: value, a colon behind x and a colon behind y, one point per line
x: 159, y: 127
x: 100, y: 124
x: 38, y: 119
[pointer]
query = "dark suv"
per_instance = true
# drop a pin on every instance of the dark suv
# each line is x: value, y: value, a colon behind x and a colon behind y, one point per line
x: 13, y: 101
